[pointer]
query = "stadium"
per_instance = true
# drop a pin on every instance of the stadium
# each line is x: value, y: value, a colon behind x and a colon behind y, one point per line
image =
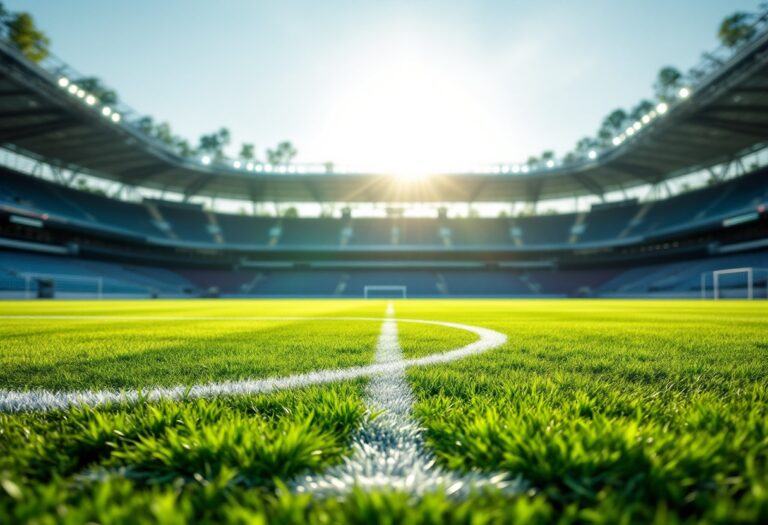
x: 192, y: 335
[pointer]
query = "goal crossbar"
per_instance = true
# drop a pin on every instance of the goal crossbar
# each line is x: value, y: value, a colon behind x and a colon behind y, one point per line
x: 385, y: 288
x: 749, y: 271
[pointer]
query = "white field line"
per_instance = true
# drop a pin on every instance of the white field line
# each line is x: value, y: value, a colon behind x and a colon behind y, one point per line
x: 388, y: 452
x: 17, y: 401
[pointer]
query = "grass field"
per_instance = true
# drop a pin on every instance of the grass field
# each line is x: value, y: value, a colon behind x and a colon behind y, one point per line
x: 605, y: 411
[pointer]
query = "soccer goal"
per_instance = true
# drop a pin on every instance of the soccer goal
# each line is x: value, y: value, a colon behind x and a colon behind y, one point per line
x: 735, y: 283
x: 48, y: 286
x: 382, y: 291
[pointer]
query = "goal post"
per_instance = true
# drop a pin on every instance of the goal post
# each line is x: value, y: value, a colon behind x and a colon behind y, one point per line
x: 381, y: 291
x: 745, y: 282
x: 48, y: 286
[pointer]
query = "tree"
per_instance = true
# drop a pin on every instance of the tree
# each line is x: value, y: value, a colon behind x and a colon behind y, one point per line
x: 182, y: 147
x: 94, y: 86
x: 615, y: 123
x: 642, y: 108
x: 163, y: 133
x: 247, y: 152
x: 282, y: 154
x: 291, y: 213
x: 26, y: 37
x: 214, y: 143
x: 146, y: 124
x: 736, y: 30
x: 668, y: 82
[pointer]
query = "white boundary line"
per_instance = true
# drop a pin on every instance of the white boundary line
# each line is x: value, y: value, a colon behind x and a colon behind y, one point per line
x: 42, y: 400
x: 389, y: 452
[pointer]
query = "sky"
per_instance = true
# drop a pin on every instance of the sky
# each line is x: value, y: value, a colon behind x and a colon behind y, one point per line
x: 386, y: 84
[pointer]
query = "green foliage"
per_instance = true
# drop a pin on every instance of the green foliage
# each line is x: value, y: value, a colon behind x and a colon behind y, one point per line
x: 95, y: 87
x: 736, y: 29
x: 214, y: 143
x: 282, y: 154
x: 612, y: 411
x: 26, y: 37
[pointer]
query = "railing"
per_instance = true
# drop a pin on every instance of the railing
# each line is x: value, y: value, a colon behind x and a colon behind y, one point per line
x: 122, y: 114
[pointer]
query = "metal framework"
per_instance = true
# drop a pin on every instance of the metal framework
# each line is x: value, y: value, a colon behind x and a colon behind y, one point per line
x: 749, y: 271
x: 726, y: 114
x: 385, y: 288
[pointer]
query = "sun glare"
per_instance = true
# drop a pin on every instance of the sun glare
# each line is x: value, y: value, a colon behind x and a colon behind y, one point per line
x: 411, y: 115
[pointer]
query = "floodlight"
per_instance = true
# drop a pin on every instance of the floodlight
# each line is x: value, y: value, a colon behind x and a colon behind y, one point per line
x: 115, y: 117
x: 684, y: 92
x: 206, y: 160
x: 550, y: 163
x: 268, y: 168
x: 505, y: 168
x: 526, y: 169
x: 236, y: 164
x: 646, y: 119
x: 662, y: 108
x: 616, y: 141
x: 259, y: 167
x: 63, y: 82
x: 515, y: 169
x: 106, y: 111
x: 301, y: 169
x: 636, y: 126
x: 80, y: 93
x: 592, y: 154
x: 291, y: 169
x: 630, y: 131
x: 249, y: 166
x: 72, y: 89
x: 90, y: 100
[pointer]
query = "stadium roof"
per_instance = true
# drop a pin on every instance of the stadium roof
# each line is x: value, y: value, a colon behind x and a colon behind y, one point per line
x: 45, y: 117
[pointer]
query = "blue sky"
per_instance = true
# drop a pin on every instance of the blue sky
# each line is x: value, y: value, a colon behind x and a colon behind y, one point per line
x: 383, y: 83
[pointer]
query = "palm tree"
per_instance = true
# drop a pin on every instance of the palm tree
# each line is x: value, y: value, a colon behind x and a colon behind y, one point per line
x: 736, y: 30
x: 614, y: 124
x: 642, y: 108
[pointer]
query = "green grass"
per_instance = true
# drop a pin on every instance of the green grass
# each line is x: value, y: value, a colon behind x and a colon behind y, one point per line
x: 612, y: 411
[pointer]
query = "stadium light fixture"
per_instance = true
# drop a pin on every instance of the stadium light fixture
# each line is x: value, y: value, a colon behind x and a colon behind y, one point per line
x: 616, y: 141
x: 301, y: 169
x: 525, y: 169
x: 115, y: 117
x: 515, y: 169
x: 72, y: 89
x: 646, y: 119
x: 106, y: 111
x: 249, y: 166
x: 636, y: 126
x: 205, y: 160
x: 630, y: 131
x: 80, y: 93
x: 268, y: 168
x: 237, y: 164
x: 684, y: 92
x: 63, y: 82
x: 259, y: 168
x: 90, y: 100
x: 662, y: 108
x: 592, y: 154
x: 550, y: 163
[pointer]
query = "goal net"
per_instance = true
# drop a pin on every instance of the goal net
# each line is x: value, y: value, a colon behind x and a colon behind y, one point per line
x: 735, y: 283
x: 380, y: 291
x: 29, y: 285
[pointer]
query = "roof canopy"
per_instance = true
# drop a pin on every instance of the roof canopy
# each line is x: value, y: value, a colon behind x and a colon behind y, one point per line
x: 726, y: 115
